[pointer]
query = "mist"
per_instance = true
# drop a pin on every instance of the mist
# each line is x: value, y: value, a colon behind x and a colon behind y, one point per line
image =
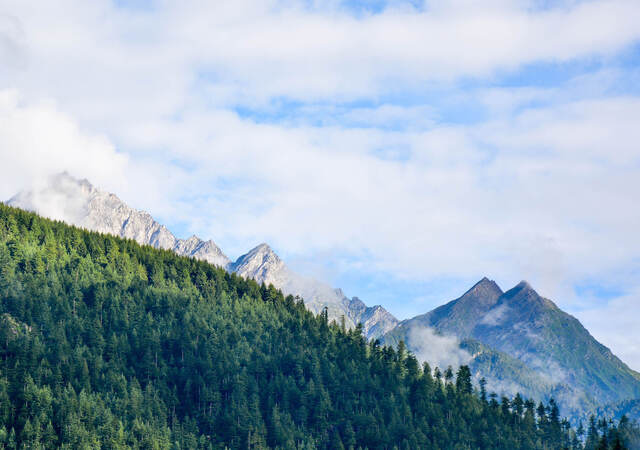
x: 436, y: 349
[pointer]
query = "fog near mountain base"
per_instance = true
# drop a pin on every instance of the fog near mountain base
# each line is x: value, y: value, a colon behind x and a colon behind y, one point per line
x: 436, y: 349
x: 500, y: 387
x: 548, y: 369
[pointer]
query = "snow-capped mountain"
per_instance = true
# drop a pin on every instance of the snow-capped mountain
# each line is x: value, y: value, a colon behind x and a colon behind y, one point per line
x: 79, y: 203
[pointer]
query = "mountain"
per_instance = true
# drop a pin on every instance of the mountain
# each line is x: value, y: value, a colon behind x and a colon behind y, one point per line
x: 264, y: 266
x: 78, y: 202
x: 628, y: 408
x: 375, y: 320
x: 105, y: 343
x: 460, y: 316
x: 541, y: 349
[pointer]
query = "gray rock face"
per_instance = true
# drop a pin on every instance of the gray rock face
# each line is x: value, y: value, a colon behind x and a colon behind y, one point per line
x: 264, y: 266
x: 458, y: 317
x: 79, y: 203
x: 375, y: 320
x: 199, y: 249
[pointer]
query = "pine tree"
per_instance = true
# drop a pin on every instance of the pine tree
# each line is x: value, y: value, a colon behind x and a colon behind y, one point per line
x: 483, y: 389
x: 463, y: 380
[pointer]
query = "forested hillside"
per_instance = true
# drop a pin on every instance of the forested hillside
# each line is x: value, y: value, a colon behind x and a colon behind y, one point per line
x: 108, y: 344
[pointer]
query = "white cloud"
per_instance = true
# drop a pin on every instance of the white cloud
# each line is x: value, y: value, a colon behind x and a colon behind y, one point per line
x: 37, y: 139
x: 436, y: 349
x: 510, y: 202
x: 11, y: 41
x: 495, y: 316
x: 248, y: 52
x: 469, y: 199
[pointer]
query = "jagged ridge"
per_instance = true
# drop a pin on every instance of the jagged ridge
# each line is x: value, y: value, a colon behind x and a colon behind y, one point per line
x: 79, y: 203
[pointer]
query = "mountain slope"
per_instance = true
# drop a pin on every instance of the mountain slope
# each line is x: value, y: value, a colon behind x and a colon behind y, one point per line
x: 628, y: 408
x: 108, y: 344
x: 537, y: 332
x: 264, y: 266
x: 79, y: 203
x: 460, y: 316
x: 504, y: 373
x: 561, y: 357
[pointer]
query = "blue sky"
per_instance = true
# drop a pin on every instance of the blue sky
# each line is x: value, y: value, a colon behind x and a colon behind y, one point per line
x: 399, y: 150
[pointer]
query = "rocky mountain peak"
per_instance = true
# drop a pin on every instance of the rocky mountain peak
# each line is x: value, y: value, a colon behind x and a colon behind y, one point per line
x: 375, y: 320
x: 265, y: 251
x: 262, y: 265
x: 523, y: 295
x: 259, y: 255
x: 485, y: 288
x: 524, y: 285
x: 78, y: 202
x: 523, y: 298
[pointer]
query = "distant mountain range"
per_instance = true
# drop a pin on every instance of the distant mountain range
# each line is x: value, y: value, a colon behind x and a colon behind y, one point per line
x: 518, y: 340
x: 79, y: 203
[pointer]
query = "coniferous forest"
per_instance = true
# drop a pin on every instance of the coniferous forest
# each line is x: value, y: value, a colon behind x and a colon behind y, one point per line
x: 108, y: 344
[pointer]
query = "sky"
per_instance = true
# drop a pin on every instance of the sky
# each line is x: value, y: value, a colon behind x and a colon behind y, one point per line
x: 400, y: 150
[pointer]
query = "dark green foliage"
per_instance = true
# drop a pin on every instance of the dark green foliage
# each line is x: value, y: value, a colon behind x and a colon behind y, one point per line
x: 606, y: 434
x: 629, y: 408
x: 105, y: 343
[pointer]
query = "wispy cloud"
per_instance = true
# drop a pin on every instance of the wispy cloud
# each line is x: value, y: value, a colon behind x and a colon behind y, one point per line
x: 436, y: 349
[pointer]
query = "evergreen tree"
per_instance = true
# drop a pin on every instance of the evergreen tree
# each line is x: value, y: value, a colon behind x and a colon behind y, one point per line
x: 463, y: 380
